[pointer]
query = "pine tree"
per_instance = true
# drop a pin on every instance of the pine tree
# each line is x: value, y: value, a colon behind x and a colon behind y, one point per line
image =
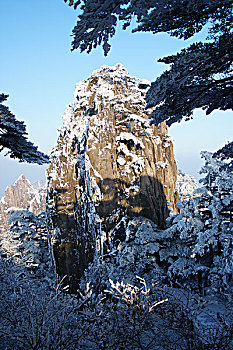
x: 13, y: 136
x: 199, y: 76
x: 203, y: 230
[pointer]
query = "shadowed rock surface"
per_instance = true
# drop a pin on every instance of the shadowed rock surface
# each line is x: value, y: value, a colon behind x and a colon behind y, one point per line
x: 109, y: 164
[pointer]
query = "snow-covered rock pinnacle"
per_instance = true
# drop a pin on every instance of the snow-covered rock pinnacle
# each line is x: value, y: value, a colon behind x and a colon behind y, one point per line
x: 21, y: 195
x: 23, y: 232
x: 185, y: 184
x: 109, y: 165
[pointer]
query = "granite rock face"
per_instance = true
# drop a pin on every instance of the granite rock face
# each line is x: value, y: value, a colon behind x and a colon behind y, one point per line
x: 23, y: 231
x: 22, y: 195
x: 109, y: 166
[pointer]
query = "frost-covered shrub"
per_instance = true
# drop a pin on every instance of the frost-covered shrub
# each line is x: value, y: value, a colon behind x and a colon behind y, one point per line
x: 203, y: 231
x: 156, y: 317
x: 37, y: 317
x: 27, y: 243
x: 33, y: 315
x: 126, y: 316
x: 138, y: 298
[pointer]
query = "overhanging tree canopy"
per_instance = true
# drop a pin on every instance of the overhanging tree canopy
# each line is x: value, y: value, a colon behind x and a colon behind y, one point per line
x: 200, y: 76
x: 13, y: 136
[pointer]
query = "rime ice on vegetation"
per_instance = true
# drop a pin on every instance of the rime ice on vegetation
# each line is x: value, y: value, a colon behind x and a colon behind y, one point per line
x: 202, y: 232
x: 185, y: 184
x: 22, y: 195
x: 105, y: 151
x: 23, y: 233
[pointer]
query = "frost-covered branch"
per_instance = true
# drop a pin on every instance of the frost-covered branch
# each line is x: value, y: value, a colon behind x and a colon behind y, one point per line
x: 199, y: 77
x: 13, y: 137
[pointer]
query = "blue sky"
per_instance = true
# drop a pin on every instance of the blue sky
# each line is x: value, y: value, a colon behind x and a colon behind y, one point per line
x: 39, y: 72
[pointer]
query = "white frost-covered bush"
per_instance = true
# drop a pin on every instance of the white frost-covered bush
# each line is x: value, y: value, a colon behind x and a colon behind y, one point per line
x: 203, y: 231
x: 27, y: 243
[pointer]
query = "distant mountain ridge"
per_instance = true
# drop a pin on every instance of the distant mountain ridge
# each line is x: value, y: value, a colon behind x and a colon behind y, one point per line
x: 22, y: 195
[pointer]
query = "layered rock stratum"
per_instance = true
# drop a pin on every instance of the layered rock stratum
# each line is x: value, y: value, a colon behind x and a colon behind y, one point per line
x: 109, y: 166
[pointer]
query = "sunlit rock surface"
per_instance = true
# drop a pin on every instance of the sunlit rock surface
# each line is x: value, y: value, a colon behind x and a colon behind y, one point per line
x: 109, y: 165
x: 22, y: 195
x: 23, y: 233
